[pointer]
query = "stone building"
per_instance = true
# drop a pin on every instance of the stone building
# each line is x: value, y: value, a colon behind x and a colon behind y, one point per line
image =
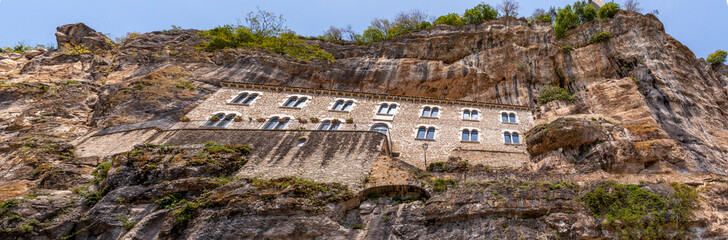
x: 596, y: 4
x: 482, y: 133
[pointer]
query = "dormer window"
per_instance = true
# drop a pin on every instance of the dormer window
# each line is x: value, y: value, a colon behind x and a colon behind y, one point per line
x: 276, y: 123
x: 508, y: 117
x: 387, y: 109
x: 470, y: 114
x: 343, y: 105
x: 431, y: 112
x: 295, y: 102
x: 245, y: 98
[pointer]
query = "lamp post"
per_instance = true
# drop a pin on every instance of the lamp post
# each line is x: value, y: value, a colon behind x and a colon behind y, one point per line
x: 424, y: 147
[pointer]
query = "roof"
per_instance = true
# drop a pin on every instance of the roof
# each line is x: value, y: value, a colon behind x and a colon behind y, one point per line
x: 599, y: 3
x: 372, y: 95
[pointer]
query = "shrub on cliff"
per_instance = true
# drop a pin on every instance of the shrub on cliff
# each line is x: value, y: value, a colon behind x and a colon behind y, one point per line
x: 608, y: 10
x: 600, y: 37
x: 717, y: 57
x: 452, y: 19
x: 383, y: 29
x: 551, y: 93
x: 480, y: 13
x: 565, y: 19
x: 585, y: 11
x: 640, y: 214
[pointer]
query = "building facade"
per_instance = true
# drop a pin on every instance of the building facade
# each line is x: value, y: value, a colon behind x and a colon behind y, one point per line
x: 489, y: 134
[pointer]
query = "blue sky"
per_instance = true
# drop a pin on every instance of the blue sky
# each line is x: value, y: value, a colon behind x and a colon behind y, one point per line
x: 699, y: 24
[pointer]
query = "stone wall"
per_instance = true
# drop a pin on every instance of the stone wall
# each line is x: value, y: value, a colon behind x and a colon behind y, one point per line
x: 493, y: 159
x: 328, y: 156
x: 101, y: 145
x: 402, y: 124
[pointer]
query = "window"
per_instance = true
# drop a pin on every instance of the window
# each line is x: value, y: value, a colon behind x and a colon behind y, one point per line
x: 387, y: 109
x: 295, y: 102
x: 511, y: 138
x: 426, y: 133
x: 508, y: 117
x: 211, y: 123
x: 470, y: 135
x: 301, y: 142
x: 380, y: 128
x: 327, y: 125
x: 342, y: 105
x: 245, y: 98
x: 276, y: 123
x: 431, y: 112
x: 470, y: 114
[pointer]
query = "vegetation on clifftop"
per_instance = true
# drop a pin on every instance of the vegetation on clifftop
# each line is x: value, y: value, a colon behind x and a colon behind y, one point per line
x: 262, y: 30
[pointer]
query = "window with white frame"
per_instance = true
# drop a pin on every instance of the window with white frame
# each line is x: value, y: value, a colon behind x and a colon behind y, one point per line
x: 245, y: 98
x: 328, y: 125
x: 387, y: 109
x: 381, y: 128
x: 469, y: 135
x: 511, y: 137
x: 220, y: 120
x: 431, y: 112
x: 426, y: 133
x: 470, y: 114
x: 507, y: 117
x: 295, y: 102
x: 276, y: 123
x: 343, y: 105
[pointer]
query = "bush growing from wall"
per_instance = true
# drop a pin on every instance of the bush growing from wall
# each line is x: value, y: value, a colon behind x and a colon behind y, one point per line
x: 600, y: 37
x: 480, y: 13
x: 452, y: 19
x: 717, y: 57
x: 608, y: 10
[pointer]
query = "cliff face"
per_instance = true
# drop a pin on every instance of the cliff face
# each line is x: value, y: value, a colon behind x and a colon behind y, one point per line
x: 644, y: 106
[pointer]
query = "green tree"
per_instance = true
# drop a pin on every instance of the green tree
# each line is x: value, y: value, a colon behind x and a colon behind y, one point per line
x: 565, y: 19
x: 540, y: 15
x: 452, y: 19
x: 585, y: 11
x: 717, y: 57
x: 480, y: 13
x: 608, y: 10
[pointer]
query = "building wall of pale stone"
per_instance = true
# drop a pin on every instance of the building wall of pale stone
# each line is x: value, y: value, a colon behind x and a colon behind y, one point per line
x: 276, y: 153
x: 403, y: 124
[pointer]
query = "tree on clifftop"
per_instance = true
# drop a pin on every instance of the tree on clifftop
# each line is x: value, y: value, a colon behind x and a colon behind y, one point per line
x: 509, y: 8
x: 717, y: 57
x: 480, y: 13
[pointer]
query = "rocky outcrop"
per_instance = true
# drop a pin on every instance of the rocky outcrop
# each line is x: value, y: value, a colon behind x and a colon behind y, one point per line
x: 79, y: 34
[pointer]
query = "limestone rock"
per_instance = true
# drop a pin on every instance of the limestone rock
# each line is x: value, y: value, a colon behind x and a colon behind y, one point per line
x: 7, y: 65
x: 79, y: 34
